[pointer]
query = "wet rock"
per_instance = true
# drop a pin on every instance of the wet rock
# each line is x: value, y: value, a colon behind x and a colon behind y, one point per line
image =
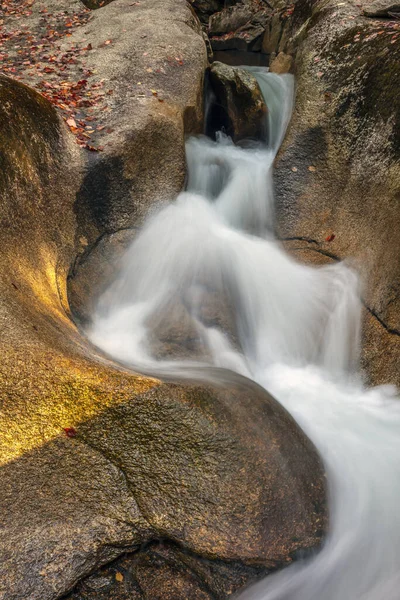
x: 173, y: 334
x: 283, y: 63
x: 94, y: 271
x: 238, y: 93
x: 341, y: 155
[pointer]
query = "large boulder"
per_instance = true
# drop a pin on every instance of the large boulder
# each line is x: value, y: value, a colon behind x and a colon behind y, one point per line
x: 338, y: 173
x: 239, y: 96
x: 121, y: 76
x: 95, y: 460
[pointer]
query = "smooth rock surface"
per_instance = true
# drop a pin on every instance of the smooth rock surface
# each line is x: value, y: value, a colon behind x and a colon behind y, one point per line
x: 338, y: 174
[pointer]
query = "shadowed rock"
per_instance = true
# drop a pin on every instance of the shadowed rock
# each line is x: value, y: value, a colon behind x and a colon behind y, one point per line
x: 239, y: 95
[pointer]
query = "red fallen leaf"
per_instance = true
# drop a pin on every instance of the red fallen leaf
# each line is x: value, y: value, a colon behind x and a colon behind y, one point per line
x: 330, y: 237
x: 70, y: 432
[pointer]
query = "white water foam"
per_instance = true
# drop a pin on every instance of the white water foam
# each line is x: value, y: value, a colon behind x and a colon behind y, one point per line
x: 298, y: 336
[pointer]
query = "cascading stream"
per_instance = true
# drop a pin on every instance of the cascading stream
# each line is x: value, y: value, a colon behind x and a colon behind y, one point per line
x: 296, y: 332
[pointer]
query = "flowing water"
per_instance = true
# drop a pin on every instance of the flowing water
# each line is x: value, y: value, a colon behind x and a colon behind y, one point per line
x: 296, y: 334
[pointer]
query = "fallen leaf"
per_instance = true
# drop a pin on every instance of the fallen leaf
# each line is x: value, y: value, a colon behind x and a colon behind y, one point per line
x: 119, y: 577
x: 330, y: 237
x: 70, y: 432
x: 312, y: 169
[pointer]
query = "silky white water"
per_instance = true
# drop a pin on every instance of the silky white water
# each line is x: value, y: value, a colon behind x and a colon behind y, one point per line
x: 297, y: 334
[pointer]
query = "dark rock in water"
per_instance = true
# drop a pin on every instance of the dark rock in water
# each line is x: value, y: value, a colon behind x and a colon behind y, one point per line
x: 343, y: 143
x: 239, y: 95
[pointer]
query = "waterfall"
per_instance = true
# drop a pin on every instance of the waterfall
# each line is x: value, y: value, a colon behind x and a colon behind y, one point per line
x: 292, y: 328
